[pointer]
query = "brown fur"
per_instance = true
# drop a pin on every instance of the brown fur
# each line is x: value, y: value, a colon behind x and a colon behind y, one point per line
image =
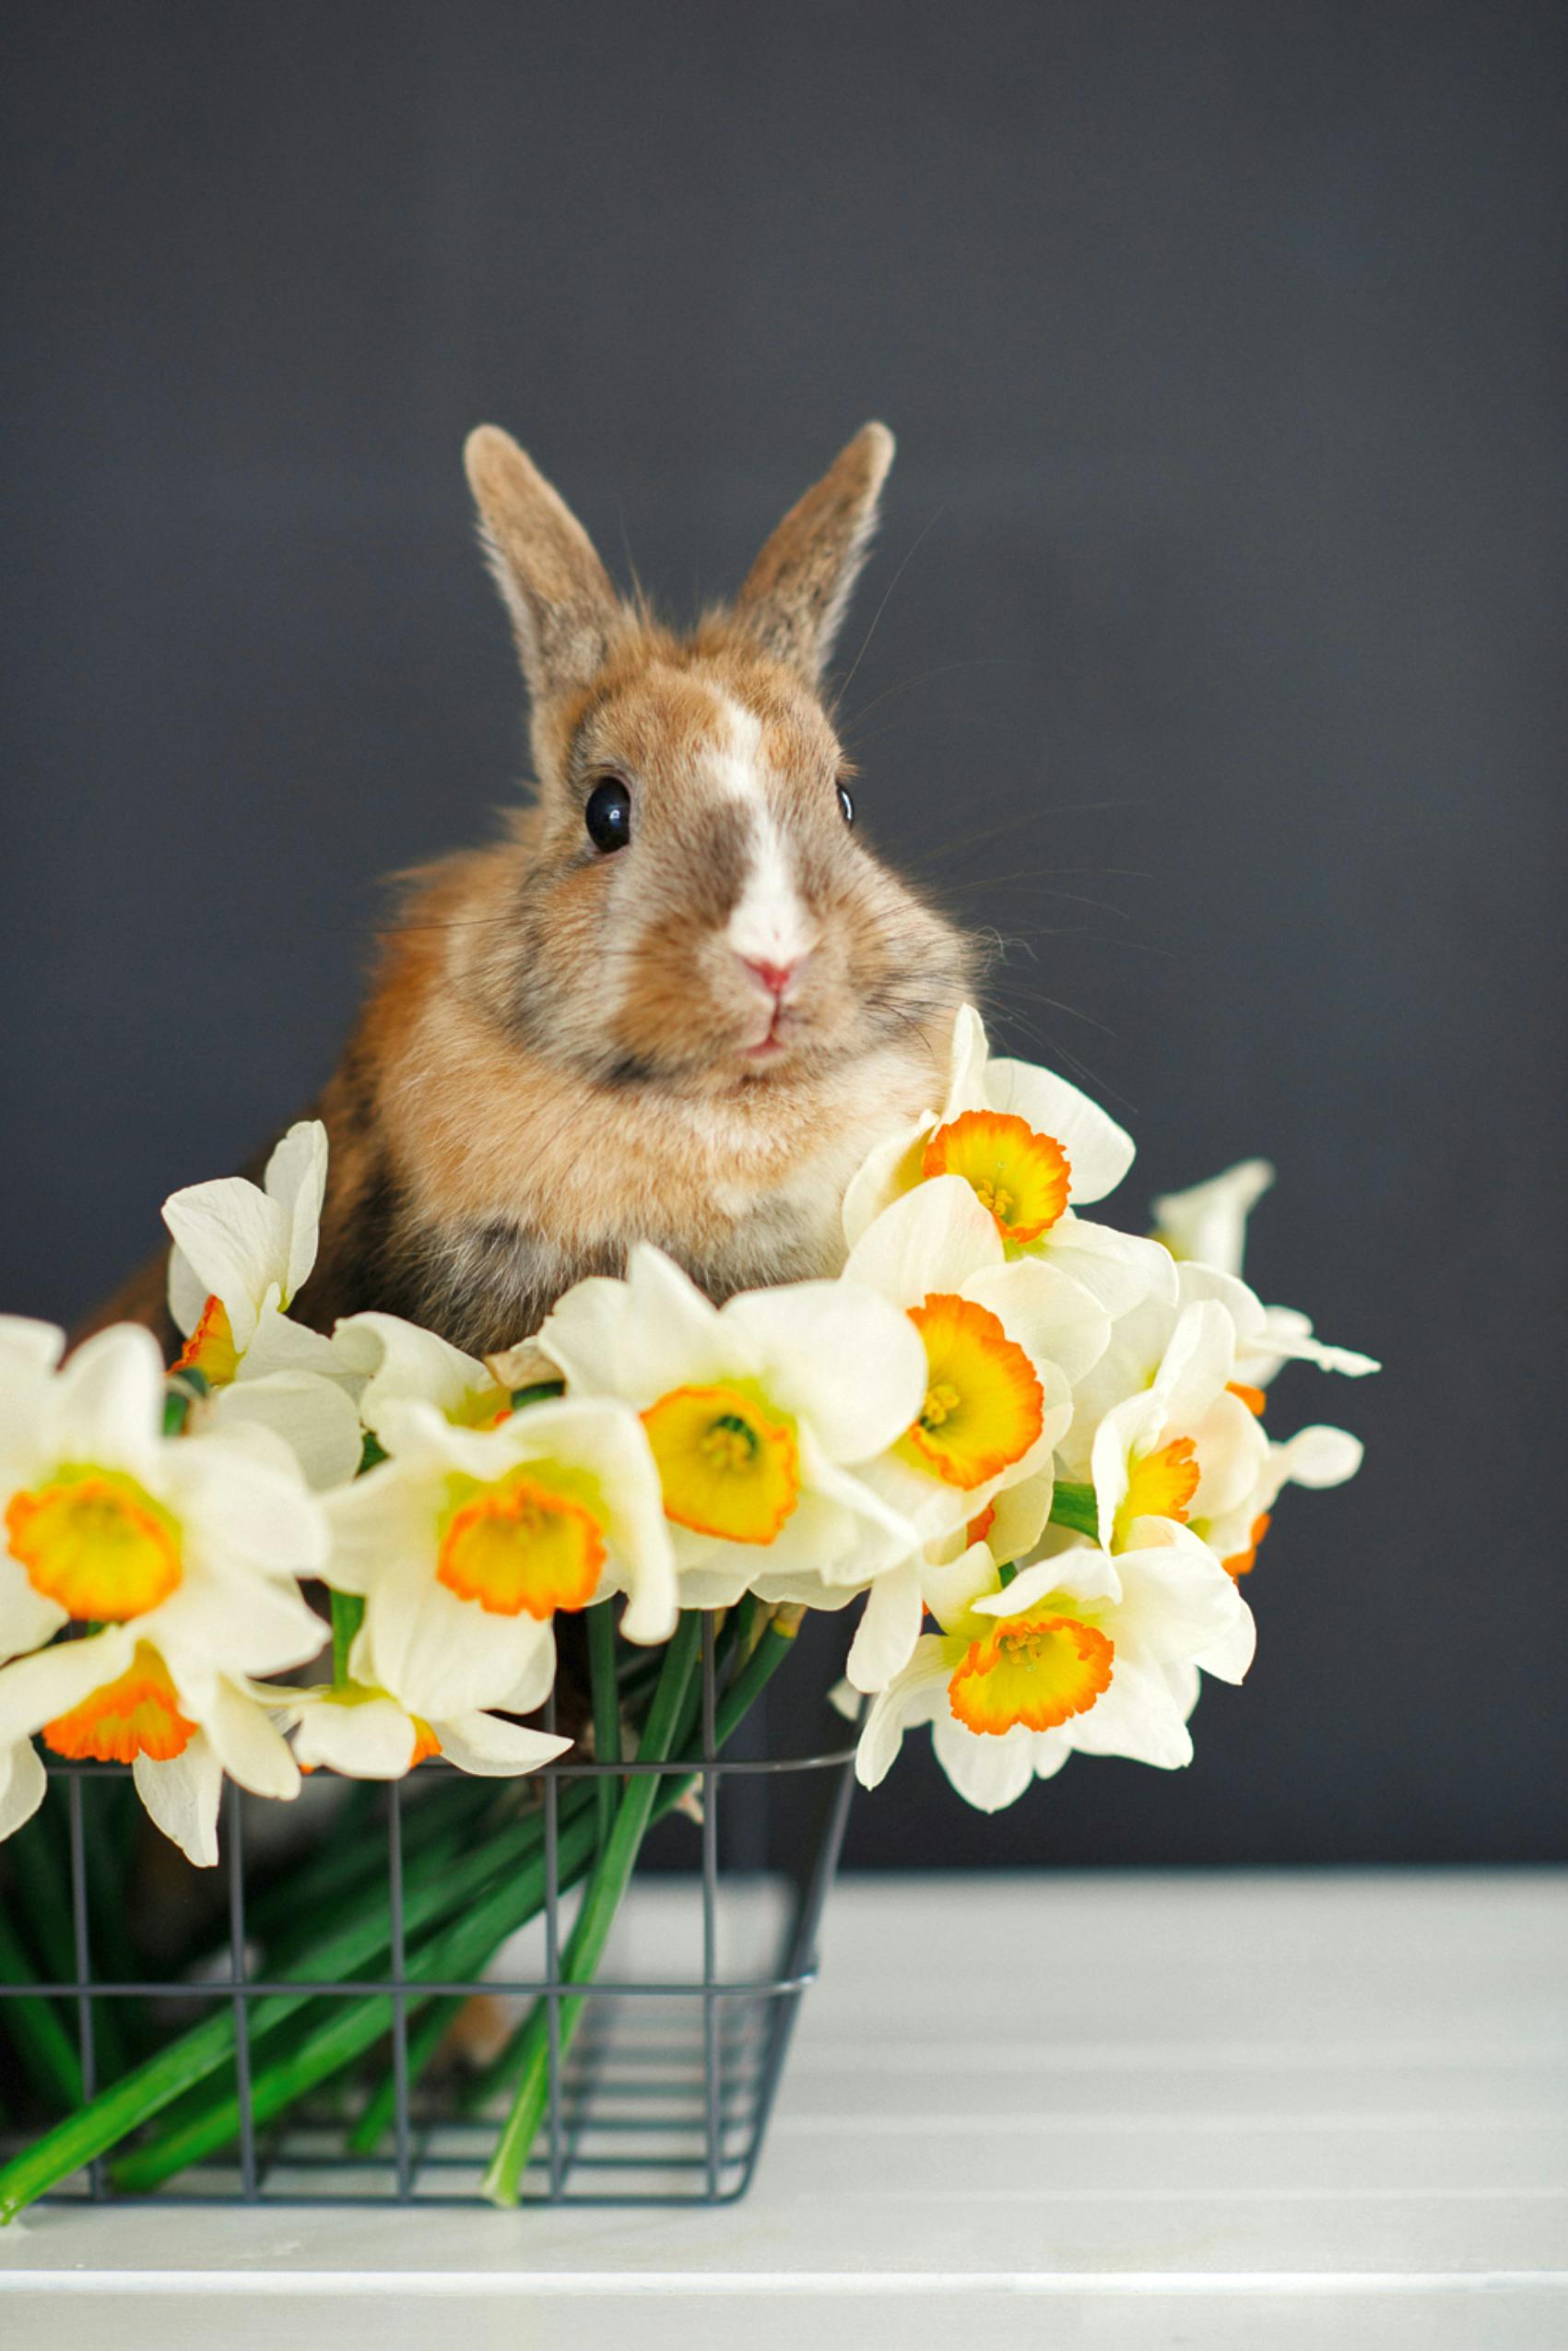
x: 553, y: 1059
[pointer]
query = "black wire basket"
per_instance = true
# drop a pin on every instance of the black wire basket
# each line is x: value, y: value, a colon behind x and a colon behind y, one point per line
x: 660, y: 2096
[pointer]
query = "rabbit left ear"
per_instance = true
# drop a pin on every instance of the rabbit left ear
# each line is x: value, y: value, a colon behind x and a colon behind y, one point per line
x: 797, y: 591
x: 562, y: 605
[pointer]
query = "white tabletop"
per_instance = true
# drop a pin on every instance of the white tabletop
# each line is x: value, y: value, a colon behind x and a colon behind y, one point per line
x: 1098, y: 2111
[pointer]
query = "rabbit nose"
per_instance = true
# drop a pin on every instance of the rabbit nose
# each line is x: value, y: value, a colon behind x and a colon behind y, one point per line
x: 775, y: 977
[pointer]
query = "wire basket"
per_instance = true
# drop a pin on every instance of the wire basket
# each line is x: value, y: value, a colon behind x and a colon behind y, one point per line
x: 662, y: 2096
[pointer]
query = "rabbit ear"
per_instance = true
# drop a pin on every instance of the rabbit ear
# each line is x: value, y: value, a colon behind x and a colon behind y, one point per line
x: 795, y: 592
x: 562, y: 605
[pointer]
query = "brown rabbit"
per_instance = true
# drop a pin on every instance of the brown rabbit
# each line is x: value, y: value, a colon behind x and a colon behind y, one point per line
x: 681, y: 1000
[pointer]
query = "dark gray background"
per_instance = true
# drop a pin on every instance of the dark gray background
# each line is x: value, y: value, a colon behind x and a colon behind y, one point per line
x: 1223, y: 563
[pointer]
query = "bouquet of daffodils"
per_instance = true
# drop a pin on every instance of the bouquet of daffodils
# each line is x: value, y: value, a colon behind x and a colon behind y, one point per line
x: 1028, y: 1449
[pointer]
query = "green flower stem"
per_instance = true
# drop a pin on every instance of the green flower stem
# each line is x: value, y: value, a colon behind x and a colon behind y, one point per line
x: 41, y: 2041
x: 348, y: 1615
x: 161, y: 2079
x: 425, y: 2038
x: 775, y: 1643
x: 587, y: 1941
x: 206, y: 2096
x: 459, y: 1949
x: 40, y: 1858
x: 1075, y: 1506
x: 334, y: 1880
x: 606, y: 1706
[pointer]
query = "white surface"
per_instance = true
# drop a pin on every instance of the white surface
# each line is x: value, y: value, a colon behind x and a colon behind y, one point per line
x: 1106, y: 2111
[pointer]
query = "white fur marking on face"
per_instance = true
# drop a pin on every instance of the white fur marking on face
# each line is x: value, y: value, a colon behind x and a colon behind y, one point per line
x: 769, y: 924
x: 735, y: 765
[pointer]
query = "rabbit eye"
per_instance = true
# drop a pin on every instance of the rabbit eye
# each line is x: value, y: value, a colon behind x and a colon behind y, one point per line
x: 847, y: 803
x: 609, y: 814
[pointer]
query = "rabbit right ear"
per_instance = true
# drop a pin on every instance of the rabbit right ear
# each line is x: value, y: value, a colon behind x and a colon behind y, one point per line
x: 795, y: 594
x: 562, y: 605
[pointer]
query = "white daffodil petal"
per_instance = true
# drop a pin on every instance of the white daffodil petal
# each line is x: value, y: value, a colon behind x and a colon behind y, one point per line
x: 252, y: 1624
x: 1208, y: 1220
x: 934, y: 1239
x: 281, y: 1344
x: 236, y: 1241
x: 234, y: 1493
x: 989, y: 1772
x: 1229, y: 1658
x: 535, y: 1682
x: 315, y: 1419
x: 419, y: 1637
x: 34, y: 1690
x: 248, y: 1745
x: 397, y: 1359
x: 918, y: 1691
x: 1318, y: 1456
x: 1051, y: 1750
x: 955, y: 1588
x: 186, y: 1292
x: 1198, y: 1364
x: 182, y: 1796
x: 26, y: 1618
x: 1099, y: 1152
x: 37, y: 1345
x: 1020, y: 1513
x: 889, y: 1168
x: 1051, y: 1317
x: 885, y: 1638
x: 1085, y: 1576
x: 106, y: 1402
x: 478, y: 1743
x: 1287, y: 1337
x: 24, y: 1783
x: 361, y: 1738
x: 837, y: 1355
x: 381, y: 1522
x: 1138, y: 1717
x: 1177, y: 1599
x: 1118, y: 1269
x: 1228, y: 1290
x: 296, y: 1180
x: 718, y: 1581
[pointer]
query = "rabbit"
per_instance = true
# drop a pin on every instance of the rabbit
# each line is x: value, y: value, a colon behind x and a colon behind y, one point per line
x: 680, y: 1000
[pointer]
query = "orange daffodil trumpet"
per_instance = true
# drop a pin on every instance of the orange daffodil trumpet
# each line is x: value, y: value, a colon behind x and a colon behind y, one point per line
x: 241, y: 1252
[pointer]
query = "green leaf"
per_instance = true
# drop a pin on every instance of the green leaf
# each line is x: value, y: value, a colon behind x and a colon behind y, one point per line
x: 1075, y: 1506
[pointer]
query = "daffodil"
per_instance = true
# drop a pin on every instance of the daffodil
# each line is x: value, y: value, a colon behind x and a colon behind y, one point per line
x: 1078, y: 1653
x: 122, y: 1696
x: 1034, y: 1149
x: 401, y: 1363
x: 466, y: 1543
x: 1207, y: 1224
x: 1318, y: 1456
x: 1184, y: 1449
x: 1004, y: 1340
x: 367, y: 1732
x: 193, y: 1541
x: 758, y: 1412
x: 242, y: 1253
